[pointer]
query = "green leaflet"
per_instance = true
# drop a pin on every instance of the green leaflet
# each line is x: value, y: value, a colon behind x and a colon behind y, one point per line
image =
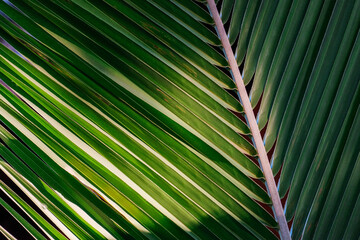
x: 175, y: 109
x: 301, y: 57
x: 196, y: 11
x: 340, y: 107
x: 45, y: 196
x: 268, y: 49
x: 35, y: 233
x: 260, y: 29
x: 131, y: 146
x: 236, y: 20
x: 281, y: 56
x: 246, y: 27
x: 225, y: 12
x: 181, y: 30
x: 316, y: 88
x: 197, y: 208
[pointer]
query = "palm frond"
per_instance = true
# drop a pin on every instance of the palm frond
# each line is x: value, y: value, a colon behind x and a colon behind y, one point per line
x: 300, y: 69
x: 120, y: 119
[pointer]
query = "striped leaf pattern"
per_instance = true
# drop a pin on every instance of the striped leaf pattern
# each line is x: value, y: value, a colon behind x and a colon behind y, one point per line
x: 119, y: 119
x: 300, y: 62
x: 118, y: 125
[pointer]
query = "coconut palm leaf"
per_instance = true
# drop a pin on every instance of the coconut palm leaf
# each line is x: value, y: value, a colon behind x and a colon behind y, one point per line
x: 120, y: 119
x: 300, y: 67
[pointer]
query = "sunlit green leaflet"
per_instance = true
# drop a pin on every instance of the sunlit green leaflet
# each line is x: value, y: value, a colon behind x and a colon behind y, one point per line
x: 207, y: 151
x: 98, y: 214
x: 106, y: 187
x: 116, y: 116
x: 131, y: 146
x: 175, y: 109
x: 43, y: 193
x: 34, y: 232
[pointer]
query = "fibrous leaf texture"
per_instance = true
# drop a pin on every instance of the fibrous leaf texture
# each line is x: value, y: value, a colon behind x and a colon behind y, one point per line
x: 121, y: 119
